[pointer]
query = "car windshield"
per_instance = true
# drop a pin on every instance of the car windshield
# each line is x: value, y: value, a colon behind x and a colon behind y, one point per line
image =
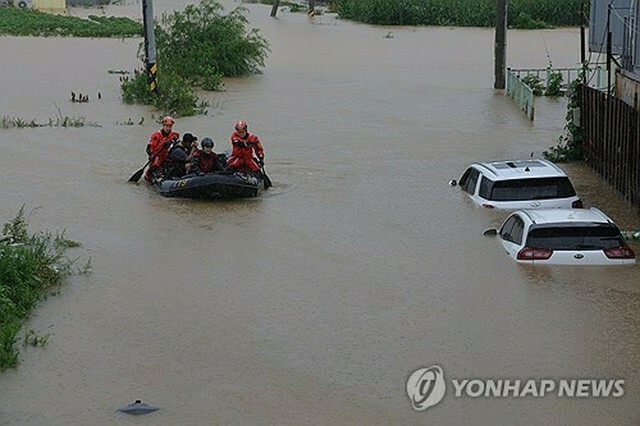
x: 591, y: 237
x: 531, y: 189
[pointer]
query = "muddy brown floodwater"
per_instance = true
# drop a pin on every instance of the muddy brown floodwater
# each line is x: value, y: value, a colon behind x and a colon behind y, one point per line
x: 315, y: 302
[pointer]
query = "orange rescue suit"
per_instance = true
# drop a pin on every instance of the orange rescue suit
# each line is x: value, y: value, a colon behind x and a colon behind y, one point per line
x: 243, y: 150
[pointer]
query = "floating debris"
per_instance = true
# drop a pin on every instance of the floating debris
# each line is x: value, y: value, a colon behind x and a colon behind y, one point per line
x: 138, y: 407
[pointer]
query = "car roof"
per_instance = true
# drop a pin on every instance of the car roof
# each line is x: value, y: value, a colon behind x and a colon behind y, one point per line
x: 566, y: 216
x: 520, y: 169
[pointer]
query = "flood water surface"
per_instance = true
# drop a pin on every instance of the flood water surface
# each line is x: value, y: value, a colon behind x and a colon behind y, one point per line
x: 313, y: 303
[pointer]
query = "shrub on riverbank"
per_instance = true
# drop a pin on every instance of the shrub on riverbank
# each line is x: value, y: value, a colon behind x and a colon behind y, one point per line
x: 196, y: 48
x: 31, y: 22
x: 31, y: 265
x: 464, y: 13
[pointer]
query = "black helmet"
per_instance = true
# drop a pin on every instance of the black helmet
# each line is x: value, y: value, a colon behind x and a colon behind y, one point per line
x: 207, y: 142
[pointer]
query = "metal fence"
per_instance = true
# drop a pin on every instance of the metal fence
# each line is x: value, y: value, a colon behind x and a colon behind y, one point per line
x: 523, y: 95
x: 611, y: 130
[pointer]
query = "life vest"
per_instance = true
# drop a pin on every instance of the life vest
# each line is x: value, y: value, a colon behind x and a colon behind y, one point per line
x: 244, y: 147
x: 203, y: 163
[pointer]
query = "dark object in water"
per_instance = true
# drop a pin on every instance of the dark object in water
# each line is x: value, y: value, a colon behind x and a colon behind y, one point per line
x: 219, y: 185
x: 138, y: 407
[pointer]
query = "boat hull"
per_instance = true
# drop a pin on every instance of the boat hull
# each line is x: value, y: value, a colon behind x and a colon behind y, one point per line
x: 211, y: 186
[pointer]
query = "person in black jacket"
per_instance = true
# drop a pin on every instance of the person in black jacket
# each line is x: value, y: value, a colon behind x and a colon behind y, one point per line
x: 180, y: 156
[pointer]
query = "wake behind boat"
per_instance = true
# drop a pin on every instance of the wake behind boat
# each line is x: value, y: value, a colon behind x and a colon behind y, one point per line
x: 218, y: 185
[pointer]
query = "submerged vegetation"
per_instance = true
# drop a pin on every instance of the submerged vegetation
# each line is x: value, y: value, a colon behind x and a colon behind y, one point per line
x: 31, y: 22
x: 196, y: 48
x: 7, y: 122
x: 31, y: 266
x: 528, y: 14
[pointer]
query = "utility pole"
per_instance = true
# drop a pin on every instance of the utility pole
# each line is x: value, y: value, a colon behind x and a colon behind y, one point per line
x: 609, y: 55
x: 274, y: 8
x: 150, y: 58
x: 500, y: 47
x: 311, y: 10
x: 583, y: 54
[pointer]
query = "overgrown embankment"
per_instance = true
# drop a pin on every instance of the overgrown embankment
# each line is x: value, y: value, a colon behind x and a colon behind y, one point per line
x: 462, y: 13
x: 31, y: 22
x: 31, y: 266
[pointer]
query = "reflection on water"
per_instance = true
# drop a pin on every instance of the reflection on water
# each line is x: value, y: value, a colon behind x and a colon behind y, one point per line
x: 313, y: 303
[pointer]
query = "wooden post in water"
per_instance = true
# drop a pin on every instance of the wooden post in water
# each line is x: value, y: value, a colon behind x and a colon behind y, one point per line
x: 274, y: 9
x: 500, y: 47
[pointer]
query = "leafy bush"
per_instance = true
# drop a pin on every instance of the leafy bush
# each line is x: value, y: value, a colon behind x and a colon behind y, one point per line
x: 554, y: 85
x: 30, y: 266
x: 196, y: 48
x: 534, y: 82
x: 175, y: 96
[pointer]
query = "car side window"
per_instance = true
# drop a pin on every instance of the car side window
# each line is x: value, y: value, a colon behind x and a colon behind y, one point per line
x: 470, y: 184
x: 465, y: 176
x: 485, y: 188
x: 517, y: 230
x: 507, y: 229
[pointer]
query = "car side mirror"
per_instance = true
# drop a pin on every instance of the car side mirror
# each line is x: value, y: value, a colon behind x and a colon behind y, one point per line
x: 491, y: 232
x: 453, y: 182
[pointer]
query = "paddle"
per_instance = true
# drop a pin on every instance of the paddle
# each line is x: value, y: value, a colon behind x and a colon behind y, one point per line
x: 267, y: 180
x: 137, y: 175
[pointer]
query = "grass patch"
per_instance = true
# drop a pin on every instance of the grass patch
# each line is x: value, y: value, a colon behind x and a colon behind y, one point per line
x: 31, y: 22
x: 31, y: 266
x: 464, y: 13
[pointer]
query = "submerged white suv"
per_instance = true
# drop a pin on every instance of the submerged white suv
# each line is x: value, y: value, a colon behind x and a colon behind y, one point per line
x: 563, y: 237
x: 518, y: 184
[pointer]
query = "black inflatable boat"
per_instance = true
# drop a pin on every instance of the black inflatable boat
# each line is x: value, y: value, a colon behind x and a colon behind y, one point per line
x: 219, y: 185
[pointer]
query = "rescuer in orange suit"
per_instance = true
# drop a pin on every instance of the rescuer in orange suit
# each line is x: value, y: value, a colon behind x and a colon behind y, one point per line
x: 158, y: 147
x: 245, y: 145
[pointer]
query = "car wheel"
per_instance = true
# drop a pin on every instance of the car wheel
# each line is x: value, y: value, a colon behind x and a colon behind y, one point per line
x: 22, y: 5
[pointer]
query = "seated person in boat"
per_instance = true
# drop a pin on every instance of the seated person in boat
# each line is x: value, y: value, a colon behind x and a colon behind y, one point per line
x: 245, y: 146
x: 205, y: 160
x: 178, y: 161
x: 158, y: 147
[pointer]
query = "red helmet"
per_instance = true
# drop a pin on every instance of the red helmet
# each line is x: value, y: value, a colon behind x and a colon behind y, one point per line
x: 168, y: 120
x: 241, y: 124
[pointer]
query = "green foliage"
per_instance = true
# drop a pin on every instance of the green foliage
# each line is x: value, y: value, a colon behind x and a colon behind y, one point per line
x: 30, y: 266
x: 570, y: 145
x: 534, y: 82
x: 467, y: 13
x: 197, y: 47
x: 554, y: 85
x: 31, y: 22
x: 202, y: 45
x: 175, y: 97
x: 526, y: 22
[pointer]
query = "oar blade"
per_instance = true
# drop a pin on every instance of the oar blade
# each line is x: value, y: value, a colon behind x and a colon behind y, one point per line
x: 137, y: 175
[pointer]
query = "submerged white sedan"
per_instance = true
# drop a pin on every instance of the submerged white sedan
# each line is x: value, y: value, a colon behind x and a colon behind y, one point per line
x: 563, y: 237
